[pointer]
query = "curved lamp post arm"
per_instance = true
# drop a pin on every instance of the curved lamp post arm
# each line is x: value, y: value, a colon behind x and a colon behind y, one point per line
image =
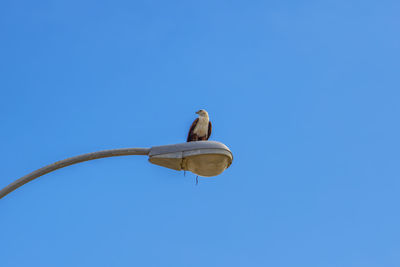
x: 70, y: 161
x: 204, y: 158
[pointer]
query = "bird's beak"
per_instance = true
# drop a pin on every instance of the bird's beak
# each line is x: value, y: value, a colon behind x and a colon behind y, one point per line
x: 197, y: 112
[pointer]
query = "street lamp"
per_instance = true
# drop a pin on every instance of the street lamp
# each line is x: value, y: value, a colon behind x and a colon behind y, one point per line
x: 204, y: 158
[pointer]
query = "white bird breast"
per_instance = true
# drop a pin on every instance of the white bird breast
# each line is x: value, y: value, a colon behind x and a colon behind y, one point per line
x: 201, y: 128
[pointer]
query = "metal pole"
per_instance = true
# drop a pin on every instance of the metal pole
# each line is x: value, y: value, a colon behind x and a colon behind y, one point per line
x: 70, y: 161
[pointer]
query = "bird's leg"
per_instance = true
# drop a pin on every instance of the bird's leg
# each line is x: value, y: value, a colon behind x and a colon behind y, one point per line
x: 184, y: 173
x: 197, y: 180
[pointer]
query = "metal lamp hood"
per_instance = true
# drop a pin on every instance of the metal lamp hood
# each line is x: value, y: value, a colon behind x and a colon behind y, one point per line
x: 204, y: 158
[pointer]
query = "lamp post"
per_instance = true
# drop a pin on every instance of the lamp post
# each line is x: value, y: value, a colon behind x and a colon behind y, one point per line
x: 204, y: 158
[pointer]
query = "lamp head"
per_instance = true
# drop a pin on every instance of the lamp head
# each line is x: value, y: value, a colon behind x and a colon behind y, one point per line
x: 204, y: 158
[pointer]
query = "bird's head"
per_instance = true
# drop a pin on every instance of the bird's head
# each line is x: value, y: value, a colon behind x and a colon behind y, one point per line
x: 202, y: 113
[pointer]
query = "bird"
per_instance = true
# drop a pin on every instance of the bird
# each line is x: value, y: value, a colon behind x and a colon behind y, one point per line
x: 201, y: 127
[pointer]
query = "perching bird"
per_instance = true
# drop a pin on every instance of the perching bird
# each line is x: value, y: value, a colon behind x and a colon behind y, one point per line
x: 201, y: 127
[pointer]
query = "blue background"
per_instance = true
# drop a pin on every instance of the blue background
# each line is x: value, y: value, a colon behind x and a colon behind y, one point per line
x: 305, y: 94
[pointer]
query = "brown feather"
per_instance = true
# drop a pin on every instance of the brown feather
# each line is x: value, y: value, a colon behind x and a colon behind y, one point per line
x: 209, y: 129
x: 191, y: 136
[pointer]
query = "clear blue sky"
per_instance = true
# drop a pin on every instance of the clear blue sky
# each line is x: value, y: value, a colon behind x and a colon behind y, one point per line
x: 305, y: 93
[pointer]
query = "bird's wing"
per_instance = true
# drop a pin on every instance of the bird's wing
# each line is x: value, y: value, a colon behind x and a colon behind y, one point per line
x: 209, y: 129
x: 191, y: 129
